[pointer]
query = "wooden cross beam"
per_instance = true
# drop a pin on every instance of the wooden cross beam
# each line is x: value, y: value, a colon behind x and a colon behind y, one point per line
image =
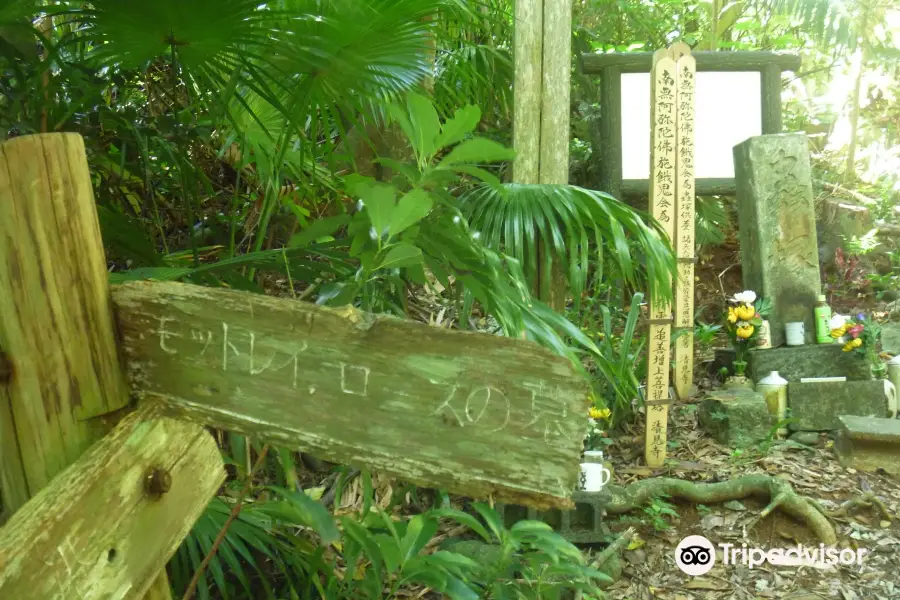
x: 476, y: 414
x: 107, y: 525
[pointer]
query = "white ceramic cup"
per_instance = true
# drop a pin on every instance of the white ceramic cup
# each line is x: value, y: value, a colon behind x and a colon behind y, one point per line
x: 593, y: 477
x: 795, y: 333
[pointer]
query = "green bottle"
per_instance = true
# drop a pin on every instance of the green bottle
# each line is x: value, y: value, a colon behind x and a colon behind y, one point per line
x: 823, y: 318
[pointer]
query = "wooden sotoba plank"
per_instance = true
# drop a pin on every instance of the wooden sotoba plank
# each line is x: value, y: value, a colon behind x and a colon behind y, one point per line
x: 476, y: 414
x: 97, y: 530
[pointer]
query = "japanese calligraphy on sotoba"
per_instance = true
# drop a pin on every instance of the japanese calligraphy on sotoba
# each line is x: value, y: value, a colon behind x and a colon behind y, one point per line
x: 684, y: 231
x: 663, y: 206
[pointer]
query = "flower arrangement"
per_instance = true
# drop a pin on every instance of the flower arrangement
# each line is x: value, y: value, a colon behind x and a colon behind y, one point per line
x: 858, y: 334
x: 596, y: 436
x: 742, y: 320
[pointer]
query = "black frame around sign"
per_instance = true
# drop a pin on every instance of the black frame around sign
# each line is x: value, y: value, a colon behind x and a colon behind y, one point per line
x: 610, y: 68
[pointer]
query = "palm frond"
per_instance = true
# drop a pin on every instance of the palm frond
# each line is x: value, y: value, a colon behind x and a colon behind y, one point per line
x: 573, y: 222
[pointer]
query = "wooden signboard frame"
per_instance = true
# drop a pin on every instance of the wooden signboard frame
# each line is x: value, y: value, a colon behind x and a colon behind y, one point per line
x: 100, y: 490
x: 610, y: 67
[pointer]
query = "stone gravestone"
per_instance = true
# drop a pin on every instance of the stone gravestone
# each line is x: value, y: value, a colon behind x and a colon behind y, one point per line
x: 777, y: 227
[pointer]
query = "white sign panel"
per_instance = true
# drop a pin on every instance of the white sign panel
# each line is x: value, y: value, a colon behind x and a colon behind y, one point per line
x: 728, y: 109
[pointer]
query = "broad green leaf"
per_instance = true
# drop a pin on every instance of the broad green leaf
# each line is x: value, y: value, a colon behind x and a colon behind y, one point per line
x: 401, y: 255
x: 426, y: 125
x: 477, y: 150
x: 318, y: 228
x: 379, y: 203
x: 315, y: 513
x: 412, y: 208
x: 464, y: 121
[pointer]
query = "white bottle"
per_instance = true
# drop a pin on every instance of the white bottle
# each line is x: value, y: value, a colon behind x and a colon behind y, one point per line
x: 893, y: 368
x: 774, y: 389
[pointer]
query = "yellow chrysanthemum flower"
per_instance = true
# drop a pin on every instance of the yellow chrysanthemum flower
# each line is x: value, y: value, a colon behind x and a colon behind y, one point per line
x: 745, y: 312
x: 836, y: 333
x: 744, y: 332
x: 852, y: 344
x: 732, y: 316
x: 599, y: 413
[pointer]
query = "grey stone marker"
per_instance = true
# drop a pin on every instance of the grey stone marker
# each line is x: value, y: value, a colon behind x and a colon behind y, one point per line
x: 777, y: 227
x: 817, y: 406
x: 737, y: 418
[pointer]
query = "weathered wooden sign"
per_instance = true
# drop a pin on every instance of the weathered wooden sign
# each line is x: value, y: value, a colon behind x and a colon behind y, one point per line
x: 477, y: 414
x: 663, y: 207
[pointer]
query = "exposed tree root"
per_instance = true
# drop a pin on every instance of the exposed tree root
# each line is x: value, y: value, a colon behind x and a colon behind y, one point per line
x: 779, y: 492
x: 867, y: 500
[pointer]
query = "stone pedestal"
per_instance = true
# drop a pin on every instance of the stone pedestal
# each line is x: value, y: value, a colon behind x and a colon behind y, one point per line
x: 584, y: 525
x: 868, y: 444
x: 737, y: 418
x: 818, y: 406
x: 777, y: 227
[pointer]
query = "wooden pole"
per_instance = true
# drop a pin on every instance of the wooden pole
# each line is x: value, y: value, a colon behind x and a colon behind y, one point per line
x: 662, y: 206
x: 56, y: 325
x: 555, y: 109
x: 543, y: 51
x: 528, y: 49
x: 686, y: 68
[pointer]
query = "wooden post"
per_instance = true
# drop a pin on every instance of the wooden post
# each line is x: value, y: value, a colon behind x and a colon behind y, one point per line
x: 770, y: 89
x: 684, y: 243
x: 663, y: 207
x: 528, y: 50
x: 106, y: 526
x: 56, y: 326
x: 556, y: 91
x: 543, y: 49
x: 610, y: 134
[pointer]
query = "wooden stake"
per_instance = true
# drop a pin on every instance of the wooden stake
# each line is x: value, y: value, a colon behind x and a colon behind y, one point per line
x: 56, y: 324
x: 662, y: 206
x: 686, y: 68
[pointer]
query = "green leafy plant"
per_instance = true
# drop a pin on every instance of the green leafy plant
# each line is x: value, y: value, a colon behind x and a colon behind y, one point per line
x: 705, y: 333
x: 531, y: 560
x: 658, y: 510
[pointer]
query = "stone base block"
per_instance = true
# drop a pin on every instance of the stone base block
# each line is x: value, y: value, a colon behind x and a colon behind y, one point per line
x: 817, y: 406
x: 795, y: 362
x: 584, y: 525
x: 867, y: 443
x: 737, y: 418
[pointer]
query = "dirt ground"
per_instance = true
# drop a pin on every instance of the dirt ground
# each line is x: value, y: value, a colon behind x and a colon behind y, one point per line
x: 650, y: 571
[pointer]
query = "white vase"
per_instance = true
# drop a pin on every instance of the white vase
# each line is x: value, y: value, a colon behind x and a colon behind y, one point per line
x: 774, y: 389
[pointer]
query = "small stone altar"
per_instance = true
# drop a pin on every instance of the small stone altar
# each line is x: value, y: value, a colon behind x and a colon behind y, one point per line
x: 813, y: 360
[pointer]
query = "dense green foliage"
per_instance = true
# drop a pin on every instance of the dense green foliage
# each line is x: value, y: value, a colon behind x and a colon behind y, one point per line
x: 348, y: 151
